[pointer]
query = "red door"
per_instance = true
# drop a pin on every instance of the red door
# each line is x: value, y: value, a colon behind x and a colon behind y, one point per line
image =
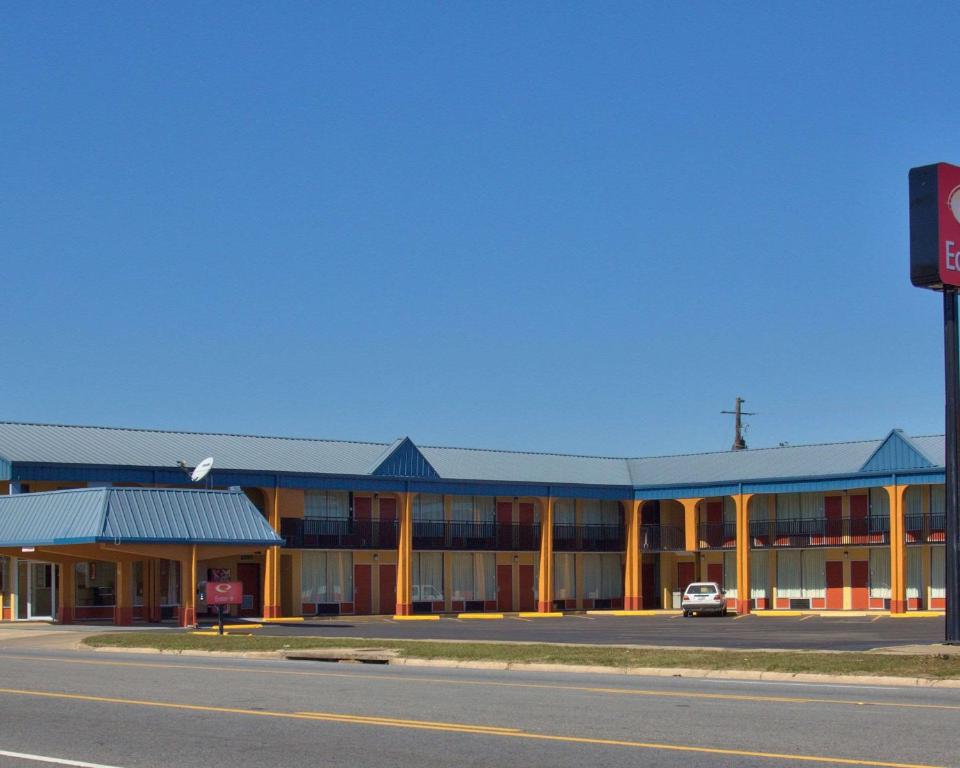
x: 362, y: 590
x: 834, y: 585
x: 505, y: 587
x: 648, y: 585
x: 859, y: 506
x: 504, y: 526
x: 833, y: 511
x: 525, y: 581
x: 361, y: 507
x: 715, y: 573
x: 685, y: 575
x: 859, y: 576
x: 249, y: 574
x: 387, y: 538
x: 715, y: 524
x: 388, y: 588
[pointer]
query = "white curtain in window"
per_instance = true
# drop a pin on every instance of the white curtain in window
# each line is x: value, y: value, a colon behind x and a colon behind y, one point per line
x: 326, y: 577
x: 759, y: 573
x: 602, y: 576
x: 880, y: 572
x: 484, y: 509
x: 789, y: 582
x: 461, y: 509
x: 474, y: 576
x: 879, y: 503
x: 564, y: 512
x: 564, y: 576
x: 427, y: 576
x: 937, y: 500
x: 913, y: 501
x: 428, y: 507
x: 814, y: 569
x: 473, y: 509
x: 938, y: 572
x: 730, y: 573
x: 914, y: 573
x: 788, y: 506
x: 328, y: 504
x: 759, y: 507
x: 729, y: 510
x: 811, y: 506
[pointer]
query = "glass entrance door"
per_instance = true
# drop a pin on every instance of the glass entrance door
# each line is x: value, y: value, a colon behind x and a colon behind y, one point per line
x: 36, y: 590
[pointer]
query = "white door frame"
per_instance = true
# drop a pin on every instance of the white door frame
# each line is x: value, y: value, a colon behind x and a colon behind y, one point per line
x: 30, y: 587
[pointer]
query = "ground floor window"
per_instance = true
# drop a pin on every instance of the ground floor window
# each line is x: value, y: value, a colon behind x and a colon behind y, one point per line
x: 801, y: 574
x: 474, y: 576
x: 730, y: 573
x: 427, y: 576
x: 938, y: 573
x: 759, y: 574
x: 326, y: 577
x: 602, y: 576
x: 168, y: 581
x: 564, y: 576
x: 96, y: 584
x: 914, y: 573
x: 880, y: 573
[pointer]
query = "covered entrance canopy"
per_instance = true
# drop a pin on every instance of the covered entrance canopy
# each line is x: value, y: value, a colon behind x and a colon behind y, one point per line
x: 124, y: 526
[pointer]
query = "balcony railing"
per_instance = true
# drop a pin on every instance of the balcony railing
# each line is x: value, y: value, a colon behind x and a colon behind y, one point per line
x: 924, y: 529
x: 490, y: 535
x: 718, y: 535
x: 661, y: 538
x: 820, y: 532
x: 338, y: 533
x: 588, y: 538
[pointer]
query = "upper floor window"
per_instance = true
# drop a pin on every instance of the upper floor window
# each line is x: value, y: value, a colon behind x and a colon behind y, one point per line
x: 326, y: 504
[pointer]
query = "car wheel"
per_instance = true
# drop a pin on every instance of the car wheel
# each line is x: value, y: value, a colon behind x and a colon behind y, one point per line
x: 723, y: 611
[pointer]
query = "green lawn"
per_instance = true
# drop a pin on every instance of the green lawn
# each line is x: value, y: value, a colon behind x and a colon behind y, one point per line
x: 933, y: 666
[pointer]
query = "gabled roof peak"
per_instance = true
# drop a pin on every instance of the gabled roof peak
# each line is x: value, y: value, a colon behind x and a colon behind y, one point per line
x: 402, y: 458
x: 897, y: 452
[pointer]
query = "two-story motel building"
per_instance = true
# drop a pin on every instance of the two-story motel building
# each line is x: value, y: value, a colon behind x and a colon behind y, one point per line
x: 378, y: 528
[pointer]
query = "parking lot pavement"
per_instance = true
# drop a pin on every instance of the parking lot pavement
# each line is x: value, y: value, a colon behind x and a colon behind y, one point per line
x: 833, y: 633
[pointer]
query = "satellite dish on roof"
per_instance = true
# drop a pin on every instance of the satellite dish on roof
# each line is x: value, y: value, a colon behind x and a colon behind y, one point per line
x: 202, y: 469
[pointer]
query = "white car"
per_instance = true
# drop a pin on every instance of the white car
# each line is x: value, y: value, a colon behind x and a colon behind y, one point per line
x: 704, y: 597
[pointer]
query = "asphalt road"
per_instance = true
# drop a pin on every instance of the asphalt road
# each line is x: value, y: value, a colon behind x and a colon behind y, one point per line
x: 152, y: 711
x: 798, y: 632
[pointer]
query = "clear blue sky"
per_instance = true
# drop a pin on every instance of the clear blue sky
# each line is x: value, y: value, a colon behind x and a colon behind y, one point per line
x: 563, y: 227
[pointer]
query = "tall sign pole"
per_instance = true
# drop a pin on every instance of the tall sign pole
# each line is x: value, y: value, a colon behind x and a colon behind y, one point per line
x: 935, y: 264
x: 952, y: 456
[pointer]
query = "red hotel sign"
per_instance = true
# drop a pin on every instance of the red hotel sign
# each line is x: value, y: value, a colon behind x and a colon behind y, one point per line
x: 224, y: 592
x: 935, y: 226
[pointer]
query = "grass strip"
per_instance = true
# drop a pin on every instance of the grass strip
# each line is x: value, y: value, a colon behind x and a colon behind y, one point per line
x: 935, y: 666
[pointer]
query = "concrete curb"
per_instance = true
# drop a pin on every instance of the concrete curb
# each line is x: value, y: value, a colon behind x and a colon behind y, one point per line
x: 504, y: 666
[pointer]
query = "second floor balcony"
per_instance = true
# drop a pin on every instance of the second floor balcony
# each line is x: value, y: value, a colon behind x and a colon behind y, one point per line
x: 820, y: 532
x: 338, y: 533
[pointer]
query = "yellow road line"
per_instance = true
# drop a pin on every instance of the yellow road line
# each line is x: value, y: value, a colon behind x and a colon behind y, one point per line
x: 492, y: 683
x: 481, y: 730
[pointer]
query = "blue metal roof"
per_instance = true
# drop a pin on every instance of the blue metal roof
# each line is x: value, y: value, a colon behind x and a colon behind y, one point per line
x: 125, y: 515
x: 71, y: 453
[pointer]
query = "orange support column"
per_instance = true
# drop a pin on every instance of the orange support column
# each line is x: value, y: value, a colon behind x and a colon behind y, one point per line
x: 66, y: 592
x: 405, y: 556
x: 898, y: 549
x: 632, y: 574
x: 742, y: 501
x: 690, y: 537
x: 188, y: 589
x: 123, y: 594
x: 271, y: 566
x: 545, y: 577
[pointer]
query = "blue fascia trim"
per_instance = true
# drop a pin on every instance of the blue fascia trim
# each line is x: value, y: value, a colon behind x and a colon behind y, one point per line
x: 278, y: 542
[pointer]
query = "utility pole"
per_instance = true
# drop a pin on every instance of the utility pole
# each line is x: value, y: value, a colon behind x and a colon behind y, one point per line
x: 739, y: 444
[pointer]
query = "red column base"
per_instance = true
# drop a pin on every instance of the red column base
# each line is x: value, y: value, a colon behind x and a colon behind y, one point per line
x: 7, y: 614
x: 898, y: 606
x: 404, y: 609
x: 153, y: 615
x: 271, y: 612
x: 633, y: 603
x: 543, y: 607
x: 65, y: 615
x: 187, y: 617
x: 123, y: 615
x: 743, y: 607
